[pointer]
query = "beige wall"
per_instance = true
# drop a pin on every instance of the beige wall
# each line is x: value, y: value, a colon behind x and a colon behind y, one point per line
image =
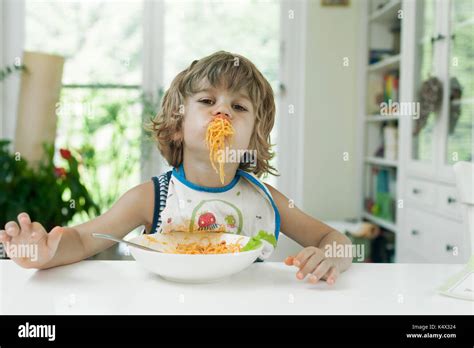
x: 331, y: 111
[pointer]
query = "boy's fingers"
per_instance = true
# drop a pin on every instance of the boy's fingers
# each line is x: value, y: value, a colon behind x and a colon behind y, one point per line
x: 37, y: 232
x: 24, y: 216
x: 332, y: 275
x: 310, y: 265
x: 4, y: 237
x: 320, y: 271
x: 289, y: 260
x: 303, y: 256
x: 12, y: 229
x: 54, y: 237
x: 25, y: 222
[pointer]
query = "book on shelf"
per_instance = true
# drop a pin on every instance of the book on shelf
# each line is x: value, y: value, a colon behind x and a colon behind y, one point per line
x: 383, y: 94
x: 380, y: 201
x: 377, y: 55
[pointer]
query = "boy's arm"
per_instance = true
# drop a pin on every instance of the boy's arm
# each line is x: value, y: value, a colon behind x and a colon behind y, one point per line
x: 65, y: 245
x: 307, y: 231
x: 133, y: 209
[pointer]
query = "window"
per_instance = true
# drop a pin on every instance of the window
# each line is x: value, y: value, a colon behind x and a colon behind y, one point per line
x: 195, y: 29
x: 99, y: 113
x: 461, y: 70
x: 102, y: 42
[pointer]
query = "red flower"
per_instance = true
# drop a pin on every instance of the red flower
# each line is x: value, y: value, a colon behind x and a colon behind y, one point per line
x: 66, y: 154
x: 60, y: 172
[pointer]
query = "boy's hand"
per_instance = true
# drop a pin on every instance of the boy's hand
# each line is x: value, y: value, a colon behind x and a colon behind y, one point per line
x: 28, y: 244
x: 312, y: 261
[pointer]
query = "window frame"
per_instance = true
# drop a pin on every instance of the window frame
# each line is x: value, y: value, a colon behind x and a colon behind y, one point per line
x: 12, y: 36
x: 291, y: 153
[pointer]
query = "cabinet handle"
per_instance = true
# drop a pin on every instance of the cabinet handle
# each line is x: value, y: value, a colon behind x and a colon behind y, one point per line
x: 416, y: 191
x: 449, y: 247
x: 415, y: 232
x: 451, y: 200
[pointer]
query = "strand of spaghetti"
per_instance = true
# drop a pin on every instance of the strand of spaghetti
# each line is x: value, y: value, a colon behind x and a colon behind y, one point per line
x: 211, y: 248
x: 218, y: 131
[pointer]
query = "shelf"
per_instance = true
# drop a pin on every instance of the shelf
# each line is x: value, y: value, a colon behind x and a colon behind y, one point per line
x: 384, y: 65
x: 381, y: 162
x: 388, y: 13
x: 381, y: 118
x: 388, y: 225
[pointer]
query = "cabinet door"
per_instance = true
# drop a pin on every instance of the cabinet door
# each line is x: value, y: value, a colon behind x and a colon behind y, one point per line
x: 422, y: 130
x: 457, y: 127
x: 432, y: 238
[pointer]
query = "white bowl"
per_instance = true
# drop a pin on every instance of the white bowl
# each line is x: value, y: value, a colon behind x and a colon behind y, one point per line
x: 189, y: 268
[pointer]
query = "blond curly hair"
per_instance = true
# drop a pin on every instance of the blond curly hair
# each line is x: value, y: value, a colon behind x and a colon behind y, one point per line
x: 233, y: 72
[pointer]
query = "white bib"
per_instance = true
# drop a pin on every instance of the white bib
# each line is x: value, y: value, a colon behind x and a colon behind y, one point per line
x: 244, y: 206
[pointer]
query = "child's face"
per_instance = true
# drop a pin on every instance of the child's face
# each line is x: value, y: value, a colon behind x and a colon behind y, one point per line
x: 202, y: 107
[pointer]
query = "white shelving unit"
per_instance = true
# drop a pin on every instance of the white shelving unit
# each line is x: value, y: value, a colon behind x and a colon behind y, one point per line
x: 382, y: 223
x: 428, y: 222
x: 378, y: 18
x: 381, y: 162
x: 434, y: 228
x: 380, y: 118
x: 385, y: 64
x: 385, y: 13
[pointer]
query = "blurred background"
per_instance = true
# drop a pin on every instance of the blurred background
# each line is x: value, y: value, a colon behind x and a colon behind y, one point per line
x: 374, y: 107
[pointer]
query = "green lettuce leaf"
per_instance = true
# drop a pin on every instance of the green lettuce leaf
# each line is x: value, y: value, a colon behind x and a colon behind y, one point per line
x: 256, y: 241
x: 270, y: 238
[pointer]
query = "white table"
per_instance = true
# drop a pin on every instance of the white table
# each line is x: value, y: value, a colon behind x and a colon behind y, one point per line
x: 123, y: 287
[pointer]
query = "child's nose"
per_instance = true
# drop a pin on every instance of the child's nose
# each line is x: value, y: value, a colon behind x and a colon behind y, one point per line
x: 223, y: 114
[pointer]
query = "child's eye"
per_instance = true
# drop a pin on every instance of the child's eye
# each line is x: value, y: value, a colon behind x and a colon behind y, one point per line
x: 206, y: 101
x: 240, y: 108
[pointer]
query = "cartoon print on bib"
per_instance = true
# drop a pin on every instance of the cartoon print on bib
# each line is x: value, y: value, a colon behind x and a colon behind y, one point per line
x: 207, y: 221
x: 216, y: 215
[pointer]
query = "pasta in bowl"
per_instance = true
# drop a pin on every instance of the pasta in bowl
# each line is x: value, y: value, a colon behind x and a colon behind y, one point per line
x: 198, y: 257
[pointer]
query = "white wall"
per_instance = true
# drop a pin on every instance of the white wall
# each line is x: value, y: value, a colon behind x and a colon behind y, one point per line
x: 330, y: 184
x: 330, y: 111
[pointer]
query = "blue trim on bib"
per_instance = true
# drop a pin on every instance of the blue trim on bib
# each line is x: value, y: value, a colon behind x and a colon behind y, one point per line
x: 181, y: 176
x: 259, y: 184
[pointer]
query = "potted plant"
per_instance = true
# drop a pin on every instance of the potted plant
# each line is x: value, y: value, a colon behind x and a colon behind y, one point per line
x: 51, y: 195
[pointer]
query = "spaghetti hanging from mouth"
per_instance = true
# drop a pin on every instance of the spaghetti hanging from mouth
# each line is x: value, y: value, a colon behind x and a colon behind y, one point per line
x: 218, y: 131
